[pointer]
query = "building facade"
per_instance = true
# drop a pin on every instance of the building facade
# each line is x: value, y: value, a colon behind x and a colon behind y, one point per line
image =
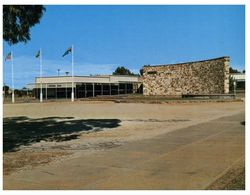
x: 205, y: 77
x: 86, y: 86
x: 239, y: 78
x: 191, y: 78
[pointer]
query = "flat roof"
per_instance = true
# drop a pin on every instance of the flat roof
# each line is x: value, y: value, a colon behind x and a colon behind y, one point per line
x: 91, y: 76
x: 90, y: 79
x: 238, y: 76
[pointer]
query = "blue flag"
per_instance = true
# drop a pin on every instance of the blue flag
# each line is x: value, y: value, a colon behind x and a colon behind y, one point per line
x: 69, y: 50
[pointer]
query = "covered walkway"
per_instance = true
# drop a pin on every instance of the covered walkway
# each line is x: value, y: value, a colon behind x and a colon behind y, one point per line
x: 91, y: 86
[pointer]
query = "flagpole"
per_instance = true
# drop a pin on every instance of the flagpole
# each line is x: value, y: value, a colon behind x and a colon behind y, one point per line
x: 12, y: 75
x: 72, y: 92
x: 41, y: 88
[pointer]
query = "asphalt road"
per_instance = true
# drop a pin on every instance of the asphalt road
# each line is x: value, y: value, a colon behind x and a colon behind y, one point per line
x: 187, y: 158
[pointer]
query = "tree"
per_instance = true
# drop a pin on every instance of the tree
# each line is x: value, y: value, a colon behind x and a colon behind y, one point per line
x: 243, y: 71
x: 141, y: 71
x: 122, y: 71
x: 6, y: 89
x: 231, y: 70
x: 17, y: 21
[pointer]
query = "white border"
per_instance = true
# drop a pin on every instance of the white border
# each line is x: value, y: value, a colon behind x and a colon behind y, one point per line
x: 155, y: 2
x: 127, y: 2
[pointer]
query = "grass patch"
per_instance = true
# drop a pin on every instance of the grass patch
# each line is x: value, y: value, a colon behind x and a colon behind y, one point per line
x: 232, y: 180
x: 238, y: 183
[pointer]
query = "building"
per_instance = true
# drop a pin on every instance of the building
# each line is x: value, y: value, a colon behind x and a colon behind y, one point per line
x: 205, y: 77
x: 86, y: 86
x: 239, y: 78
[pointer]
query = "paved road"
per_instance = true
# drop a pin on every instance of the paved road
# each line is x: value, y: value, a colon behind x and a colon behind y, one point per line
x: 187, y: 158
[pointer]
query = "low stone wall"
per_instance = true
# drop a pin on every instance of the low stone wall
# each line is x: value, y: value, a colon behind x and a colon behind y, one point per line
x: 201, y: 77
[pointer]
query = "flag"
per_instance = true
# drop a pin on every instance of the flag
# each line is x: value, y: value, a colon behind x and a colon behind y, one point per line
x: 38, y: 54
x: 69, y: 50
x: 8, y: 57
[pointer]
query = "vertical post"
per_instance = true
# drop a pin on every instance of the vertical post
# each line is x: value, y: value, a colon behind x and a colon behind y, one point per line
x: 66, y: 91
x: 41, y: 88
x: 101, y: 89
x: 72, y: 91
x: 110, y: 89
x: 46, y: 91
x: 93, y: 89
x: 12, y: 75
x: 125, y: 88
x: 235, y: 88
x: 75, y: 92
x: 56, y: 91
x: 118, y: 89
x: 85, y: 91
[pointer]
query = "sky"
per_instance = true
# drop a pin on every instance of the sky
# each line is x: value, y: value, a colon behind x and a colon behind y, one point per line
x: 105, y: 37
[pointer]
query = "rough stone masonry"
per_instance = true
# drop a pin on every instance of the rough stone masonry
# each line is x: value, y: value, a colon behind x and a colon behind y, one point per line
x: 191, y: 78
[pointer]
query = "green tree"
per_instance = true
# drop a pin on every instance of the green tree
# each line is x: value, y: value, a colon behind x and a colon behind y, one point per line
x: 231, y: 70
x: 6, y: 89
x: 17, y: 21
x: 122, y: 71
x: 141, y: 71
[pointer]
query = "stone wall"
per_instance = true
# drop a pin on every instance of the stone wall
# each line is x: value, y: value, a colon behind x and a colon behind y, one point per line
x: 201, y: 77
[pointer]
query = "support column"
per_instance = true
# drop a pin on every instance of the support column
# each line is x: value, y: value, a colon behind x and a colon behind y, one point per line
x: 56, y: 91
x: 125, y: 88
x: 75, y: 91
x: 66, y: 91
x: 85, y: 90
x: 93, y: 89
x: 101, y: 89
x: 118, y: 89
x: 109, y: 88
x: 46, y: 91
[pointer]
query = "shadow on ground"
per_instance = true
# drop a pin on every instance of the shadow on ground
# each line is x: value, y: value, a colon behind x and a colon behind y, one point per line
x: 19, y: 131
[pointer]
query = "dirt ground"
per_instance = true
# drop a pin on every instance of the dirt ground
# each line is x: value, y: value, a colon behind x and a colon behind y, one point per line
x: 37, y: 134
